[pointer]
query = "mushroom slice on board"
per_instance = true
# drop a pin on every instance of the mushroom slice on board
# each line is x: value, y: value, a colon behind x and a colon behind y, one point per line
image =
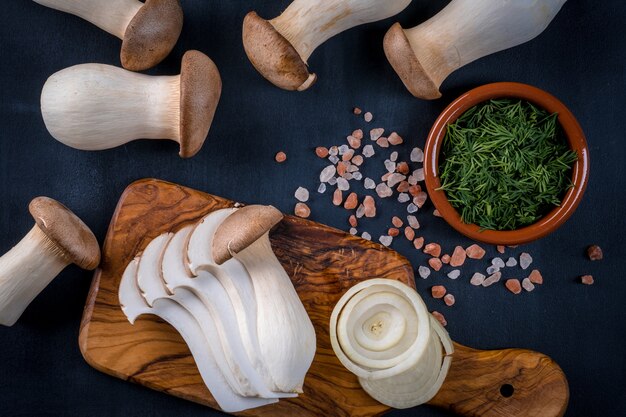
x: 286, y: 334
x: 57, y: 239
x: 464, y: 31
x: 96, y: 106
x: 148, y: 30
x: 280, y: 48
x: 134, y: 305
x: 212, y: 295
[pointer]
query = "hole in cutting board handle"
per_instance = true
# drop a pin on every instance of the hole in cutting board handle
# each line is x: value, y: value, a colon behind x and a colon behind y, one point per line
x: 507, y: 390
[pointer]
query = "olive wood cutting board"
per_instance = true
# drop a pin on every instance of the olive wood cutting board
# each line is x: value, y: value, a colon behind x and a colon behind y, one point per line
x: 322, y: 263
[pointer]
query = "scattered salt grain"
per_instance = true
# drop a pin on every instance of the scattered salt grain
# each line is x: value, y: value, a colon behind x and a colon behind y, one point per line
x: 385, y: 240
x: 394, y: 156
x: 369, y: 184
x: 321, y: 151
x: 433, y: 249
x: 357, y: 176
x: 390, y: 166
x: 397, y: 221
x: 594, y: 252
x: 411, y: 208
x: 413, y: 222
x: 419, y: 174
x: 343, y: 149
x: 511, y: 262
x: 535, y: 277
x: 445, y: 259
x: 477, y: 279
x: 353, y: 231
x: 322, y: 188
x: 358, y: 133
x: 409, y: 233
x: 347, y: 176
x: 418, y: 243
x: 417, y: 155
x: 302, y: 210
x: 343, y: 184
x: 513, y: 285
x: 500, y: 248
x: 360, y: 211
x: 370, y: 206
x: 366, y: 235
x: 587, y: 279
x: 333, y: 150
x: 337, y: 197
x: 355, y: 143
x: 368, y: 117
x: 492, y: 279
x: 376, y: 133
x: 395, y: 179
x: 435, y: 263
x: 420, y: 199
x: 449, y: 300
x: 280, y: 157
x: 440, y: 318
x: 395, y: 139
x: 347, y: 155
x: 475, y: 252
x: 328, y: 173
x: 368, y: 151
x: 383, y: 142
x: 403, y: 198
x: 383, y: 190
x: 332, y: 181
x: 333, y: 158
x: 438, y: 291
x: 527, y: 285
x: 302, y: 194
x: 393, y: 232
x: 351, y: 201
x: 525, y: 260
x: 403, y: 168
x: 353, y: 168
x: 498, y: 262
x: 357, y: 111
x: 423, y: 272
x: 492, y: 269
x: 353, y: 221
x: 458, y: 257
x: 436, y: 213
x: 357, y: 160
x: 454, y: 274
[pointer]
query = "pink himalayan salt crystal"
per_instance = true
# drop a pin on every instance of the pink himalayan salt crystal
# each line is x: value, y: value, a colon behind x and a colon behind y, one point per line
x: 433, y: 249
x: 302, y: 210
x: 500, y: 248
x: 354, y: 142
x: 409, y: 233
x: 492, y: 279
x: 337, y: 197
x: 395, y: 179
x: 527, y: 285
x: 418, y: 243
x: 477, y: 279
x: 397, y: 221
x: 376, y: 133
x: 420, y: 199
x: 358, y: 134
x: 587, y: 279
x: 351, y: 202
x: 513, y: 285
x: 440, y: 318
x: 458, y: 257
x: 395, y: 139
x: 383, y: 190
x: 449, y: 300
x: 403, y: 187
x: 383, y: 142
x: 535, y: 277
x: 370, y: 206
x: 357, y: 160
x: 435, y: 263
x: 438, y: 291
x: 475, y: 252
x: 368, y: 151
x: 368, y: 117
x: 445, y: 259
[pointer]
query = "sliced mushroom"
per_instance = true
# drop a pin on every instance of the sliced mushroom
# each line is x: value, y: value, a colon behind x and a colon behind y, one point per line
x: 59, y: 238
x: 279, y: 48
x: 96, y: 106
x: 148, y: 30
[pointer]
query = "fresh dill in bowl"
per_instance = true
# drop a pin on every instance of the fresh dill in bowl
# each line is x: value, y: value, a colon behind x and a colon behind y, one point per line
x: 504, y: 164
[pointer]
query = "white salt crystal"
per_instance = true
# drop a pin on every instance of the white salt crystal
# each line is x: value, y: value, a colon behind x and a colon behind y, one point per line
x: 353, y: 168
x: 327, y: 173
x: 357, y: 176
x: 322, y: 188
x: 383, y: 190
x: 343, y: 184
x: 411, y: 208
x: 419, y: 174
x: 477, y: 279
x: 527, y: 285
x: 333, y: 159
x: 498, y: 262
x: 492, y: 279
x: 360, y: 211
x: 423, y: 272
x: 492, y: 269
x: 395, y: 179
x: 511, y: 262
x: 366, y: 235
x: 403, y: 198
x: 368, y: 151
x: 333, y: 151
x: 417, y: 155
x: 348, y: 176
x: 413, y: 222
x: 332, y: 181
x: 343, y: 149
x: 353, y: 231
x: 394, y: 156
x: 376, y: 133
x: 390, y: 166
x: 385, y: 240
x: 412, y: 179
x: 302, y: 194
x: 369, y: 184
x: 525, y: 260
x: 454, y: 274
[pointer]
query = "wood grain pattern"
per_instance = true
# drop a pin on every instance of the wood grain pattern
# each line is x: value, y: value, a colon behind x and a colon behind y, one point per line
x: 322, y: 263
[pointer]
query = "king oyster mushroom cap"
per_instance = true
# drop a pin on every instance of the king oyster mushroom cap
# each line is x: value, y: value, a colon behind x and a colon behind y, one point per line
x: 134, y: 305
x: 97, y: 106
x: 58, y: 239
x: 149, y: 31
x: 210, y: 292
x: 240, y: 229
x: 464, y: 31
x: 280, y: 48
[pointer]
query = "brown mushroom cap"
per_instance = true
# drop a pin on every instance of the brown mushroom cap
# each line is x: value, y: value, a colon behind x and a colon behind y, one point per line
x: 273, y: 56
x: 403, y: 60
x: 151, y: 34
x: 242, y: 228
x: 200, y: 90
x: 73, y: 238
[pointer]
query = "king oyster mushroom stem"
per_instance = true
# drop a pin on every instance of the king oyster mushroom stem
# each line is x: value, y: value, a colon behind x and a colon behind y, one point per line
x: 148, y: 30
x: 96, y: 106
x: 464, y: 31
x: 382, y: 332
x: 58, y: 239
x: 280, y: 48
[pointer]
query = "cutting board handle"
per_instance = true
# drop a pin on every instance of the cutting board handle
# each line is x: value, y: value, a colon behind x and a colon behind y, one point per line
x: 503, y: 383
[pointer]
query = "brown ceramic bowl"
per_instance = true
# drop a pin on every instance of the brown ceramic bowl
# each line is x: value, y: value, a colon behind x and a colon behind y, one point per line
x: 572, y: 132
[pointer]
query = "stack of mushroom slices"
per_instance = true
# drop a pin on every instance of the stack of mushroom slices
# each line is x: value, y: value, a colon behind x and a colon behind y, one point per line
x: 220, y: 285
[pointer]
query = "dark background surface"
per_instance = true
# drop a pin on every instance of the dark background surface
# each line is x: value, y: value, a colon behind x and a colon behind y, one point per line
x: 581, y: 59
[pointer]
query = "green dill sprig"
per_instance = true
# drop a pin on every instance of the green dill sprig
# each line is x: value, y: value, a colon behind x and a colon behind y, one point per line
x: 504, y: 164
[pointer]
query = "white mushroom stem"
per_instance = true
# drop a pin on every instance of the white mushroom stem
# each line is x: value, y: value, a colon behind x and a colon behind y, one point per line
x: 25, y: 271
x: 381, y: 331
x: 307, y: 24
x: 110, y: 106
x: 466, y: 30
x: 112, y: 16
